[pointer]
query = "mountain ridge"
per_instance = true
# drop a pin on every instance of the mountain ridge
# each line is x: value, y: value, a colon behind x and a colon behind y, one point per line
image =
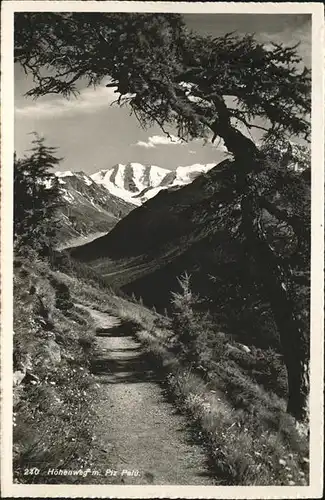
x: 112, y: 193
x: 136, y: 183
x: 87, y: 207
x: 94, y: 203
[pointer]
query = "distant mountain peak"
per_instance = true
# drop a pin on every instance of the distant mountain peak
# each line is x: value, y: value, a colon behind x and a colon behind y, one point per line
x: 136, y: 183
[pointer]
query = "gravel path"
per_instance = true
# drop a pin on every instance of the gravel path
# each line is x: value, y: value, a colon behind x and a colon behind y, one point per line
x: 143, y: 440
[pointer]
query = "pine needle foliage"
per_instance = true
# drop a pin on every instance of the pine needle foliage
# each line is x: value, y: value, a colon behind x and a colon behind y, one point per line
x: 36, y: 199
x: 168, y: 74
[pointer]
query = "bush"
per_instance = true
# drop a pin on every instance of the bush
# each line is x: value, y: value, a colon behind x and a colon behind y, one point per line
x: 184, y: 320
x: 62, y: 295
x: 197, y: 337
x: 199, y: 341
x: 264, y: 366
x: 62, y: 261
x: 257, y: 445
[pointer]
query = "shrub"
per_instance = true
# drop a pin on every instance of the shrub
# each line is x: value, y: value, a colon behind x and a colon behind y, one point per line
x: 62, y: 295
x: 264, y: 366
x: 183, y: 318
x: 197, y: 335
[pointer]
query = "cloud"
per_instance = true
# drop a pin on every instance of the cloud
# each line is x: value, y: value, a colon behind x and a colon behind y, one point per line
x: 160, y: 140
x: 88, y: 101
x: 300, y: 34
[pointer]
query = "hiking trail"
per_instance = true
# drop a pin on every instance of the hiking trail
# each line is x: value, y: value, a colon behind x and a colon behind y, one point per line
x: 142, y: 438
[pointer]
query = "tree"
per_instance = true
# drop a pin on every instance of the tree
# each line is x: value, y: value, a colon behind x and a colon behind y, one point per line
x: 278, y: 279
x: 184, y: 315
x: 204, y: 87
x: 36, y: 199
x: 167, y: 74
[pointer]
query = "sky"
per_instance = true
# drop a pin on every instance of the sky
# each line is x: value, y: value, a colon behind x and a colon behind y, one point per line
x: 91, y: 134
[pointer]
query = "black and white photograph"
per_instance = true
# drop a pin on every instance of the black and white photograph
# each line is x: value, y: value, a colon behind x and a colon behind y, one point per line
x: 162, y: 265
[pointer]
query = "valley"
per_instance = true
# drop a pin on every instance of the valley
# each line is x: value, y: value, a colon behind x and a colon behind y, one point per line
x: 79, y: 240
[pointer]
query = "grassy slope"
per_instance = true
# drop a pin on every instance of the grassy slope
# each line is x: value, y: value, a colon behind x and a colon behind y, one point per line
x: 248, y: 435
x: 53, y: 403
x: 250, y: 438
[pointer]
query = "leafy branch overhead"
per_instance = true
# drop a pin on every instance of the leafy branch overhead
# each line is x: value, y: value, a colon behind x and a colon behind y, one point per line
x: 168, y: 74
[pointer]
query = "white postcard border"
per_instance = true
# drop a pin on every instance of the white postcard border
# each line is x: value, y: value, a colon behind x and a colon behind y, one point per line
x: 314, y: 490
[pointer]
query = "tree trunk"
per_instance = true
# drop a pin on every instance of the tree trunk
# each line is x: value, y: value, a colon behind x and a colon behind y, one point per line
x: 237, y: 143
x: 274, y: 276
x: 275, y: 281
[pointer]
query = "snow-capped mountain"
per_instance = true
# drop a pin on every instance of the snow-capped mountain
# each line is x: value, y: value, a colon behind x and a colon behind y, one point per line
x: 87, y: 207
x: 136, y: 183
x: 94, y: 204
x: 196, y: 228
x: 127, y: 181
